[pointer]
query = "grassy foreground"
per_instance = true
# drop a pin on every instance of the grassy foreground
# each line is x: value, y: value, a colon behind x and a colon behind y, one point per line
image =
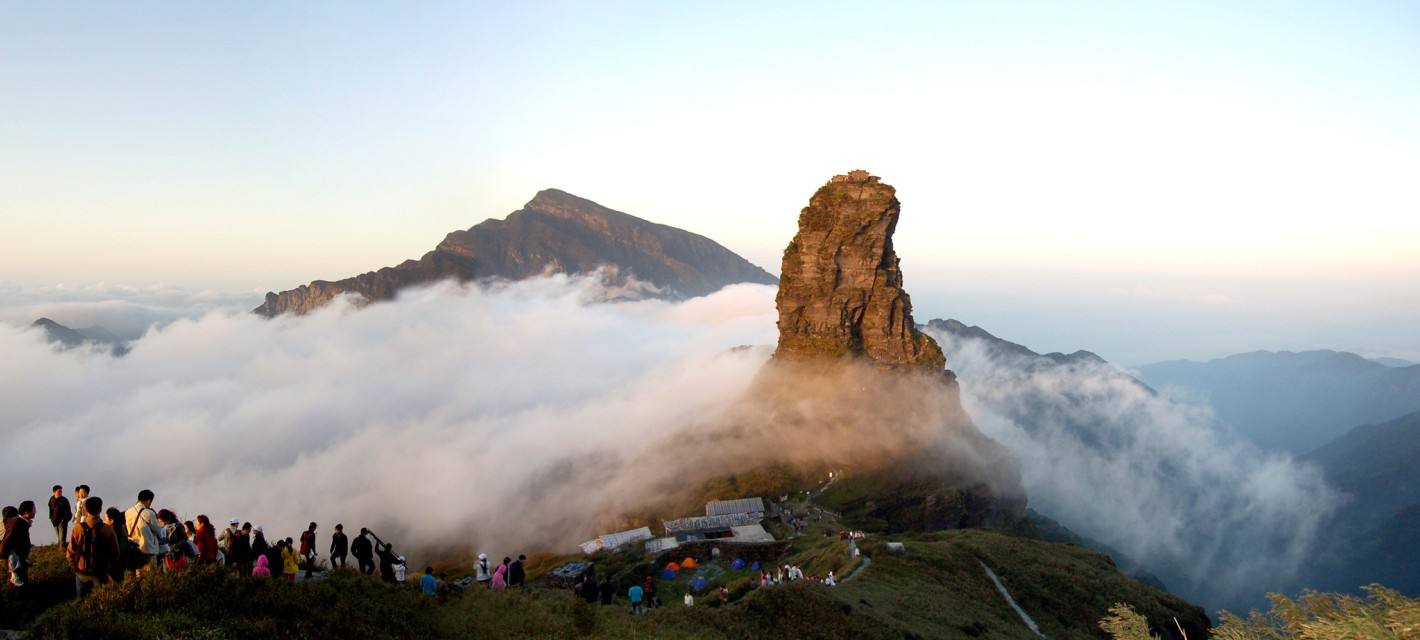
x: 936, y: 589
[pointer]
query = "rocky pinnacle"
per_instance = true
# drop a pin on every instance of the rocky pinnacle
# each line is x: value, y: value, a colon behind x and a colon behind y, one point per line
x: 840, y: 290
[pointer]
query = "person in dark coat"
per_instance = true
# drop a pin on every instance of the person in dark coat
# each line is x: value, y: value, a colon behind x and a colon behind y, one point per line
x: 607, y: 590
x: 590, y: 588
x: 339, y: 547
x: 274, y: 561
x: 364, y: 552
x: 517, y: 574
x: 60, y: 514
x: 17, y: 543
x: 387, y: 556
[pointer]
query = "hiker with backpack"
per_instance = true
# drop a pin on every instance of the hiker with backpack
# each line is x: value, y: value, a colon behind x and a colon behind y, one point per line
x: 146, y: 534
x: 339, y: 546
x: 16, y: 545
x: 364, y: 552
x: 59, y: 513
x: 308, y: 549
x: 93, y: 549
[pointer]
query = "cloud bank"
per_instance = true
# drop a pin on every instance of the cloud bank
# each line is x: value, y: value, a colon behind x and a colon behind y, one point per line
x: 1147, y: 474
x: 437, y: 419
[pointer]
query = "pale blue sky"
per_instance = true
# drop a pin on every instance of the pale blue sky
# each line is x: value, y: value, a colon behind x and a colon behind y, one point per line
x: 1141, y: 179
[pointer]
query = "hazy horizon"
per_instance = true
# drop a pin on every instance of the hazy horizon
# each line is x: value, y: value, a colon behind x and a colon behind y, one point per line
x: 1145, y: 182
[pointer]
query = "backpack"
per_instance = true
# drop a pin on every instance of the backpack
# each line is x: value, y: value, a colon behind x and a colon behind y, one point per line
x: 81, y: 554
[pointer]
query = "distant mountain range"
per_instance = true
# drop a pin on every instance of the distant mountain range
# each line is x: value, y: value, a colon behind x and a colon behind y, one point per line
x: 68, y: 338
x: 554, y: 232
x: 1376, y: 536
x: 1294, y: 401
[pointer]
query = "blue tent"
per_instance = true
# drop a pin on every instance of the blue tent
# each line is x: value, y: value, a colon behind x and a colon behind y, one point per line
x: 698, y: 584
x: 755, y: 567
x: 737, y: 564
x: 668, y: 575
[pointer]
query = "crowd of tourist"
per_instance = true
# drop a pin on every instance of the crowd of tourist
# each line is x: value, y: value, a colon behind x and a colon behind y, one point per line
x: 109, y: 545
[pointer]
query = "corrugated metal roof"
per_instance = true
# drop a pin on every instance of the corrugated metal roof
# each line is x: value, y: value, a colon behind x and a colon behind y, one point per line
x: 614, y: 540
x: 658, y: 545
x: 707, y: 523
x: 727, y: 507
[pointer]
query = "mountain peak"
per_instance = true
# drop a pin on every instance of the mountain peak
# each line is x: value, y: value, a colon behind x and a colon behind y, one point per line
x: 840, y: 290
x: 555, y: 232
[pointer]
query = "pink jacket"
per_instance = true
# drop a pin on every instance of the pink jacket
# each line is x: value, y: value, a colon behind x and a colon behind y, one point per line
x: 261, y: 567
x: 500, y: 582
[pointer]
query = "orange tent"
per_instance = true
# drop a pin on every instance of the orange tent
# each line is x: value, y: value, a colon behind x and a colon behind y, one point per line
x: 689, y: 563
x: 673, y: 566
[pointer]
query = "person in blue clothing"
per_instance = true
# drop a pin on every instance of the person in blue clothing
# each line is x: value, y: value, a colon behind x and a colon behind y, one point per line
x: 429, y: 584
x: 635, y: 595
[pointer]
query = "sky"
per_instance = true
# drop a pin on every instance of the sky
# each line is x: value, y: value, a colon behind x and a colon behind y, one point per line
x: 1143, y: 180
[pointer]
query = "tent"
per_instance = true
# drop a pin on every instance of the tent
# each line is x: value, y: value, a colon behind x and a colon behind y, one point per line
x: 698, y: 584
x: 689, y: 563
x: 668, y: 575
x: 737, y: 564
x: 756, y: 566
x: 671, y: 566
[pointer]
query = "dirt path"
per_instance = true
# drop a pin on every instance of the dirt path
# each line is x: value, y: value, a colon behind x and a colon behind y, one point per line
x: 1012, y: 601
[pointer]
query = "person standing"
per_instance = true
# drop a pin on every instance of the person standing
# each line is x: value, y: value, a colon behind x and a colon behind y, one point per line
x: 308, y: 549
x: 259, y: 545
x: 180, y: 550
x: 500, y: 578
x: 634, y: 595
x: 59, y: 513
x: 481, y: 573
x: 145, y: 532
x: 290, y: 561
x: 429, y: 585
x: 206, y: 541
x: 589, y: 588
x: 385, y: 551
x: 517, y: 573
x: 114, y: 519
x: 17, y: 543
x: 339, y: 546
x: 608, y: 590
x: 92, y: 549
x: 364, y: 552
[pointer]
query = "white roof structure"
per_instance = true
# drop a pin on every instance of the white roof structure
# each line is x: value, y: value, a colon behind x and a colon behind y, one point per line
x: 614, y: 540
x: 696, y: 524
x: 730, y: 507
x: 656, y: 546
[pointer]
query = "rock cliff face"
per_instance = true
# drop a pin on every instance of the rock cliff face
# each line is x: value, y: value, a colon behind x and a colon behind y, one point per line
x: 840, y: 290
x: 558, y: 232
x: 853, y: 383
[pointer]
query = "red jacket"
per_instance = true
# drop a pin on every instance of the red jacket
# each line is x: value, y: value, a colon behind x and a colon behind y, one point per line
x: 206, y: 544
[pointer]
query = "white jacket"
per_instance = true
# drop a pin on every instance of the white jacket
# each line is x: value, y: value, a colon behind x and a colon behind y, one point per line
x: 480, y: 568
x: 144, y: 530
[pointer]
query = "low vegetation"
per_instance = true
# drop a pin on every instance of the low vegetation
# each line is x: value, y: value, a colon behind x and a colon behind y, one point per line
x: 1382, y: 614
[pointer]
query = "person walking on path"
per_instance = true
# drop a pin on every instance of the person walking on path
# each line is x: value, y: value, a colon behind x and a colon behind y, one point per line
x: 481, y: 573
x: 517, y: 573
x: 634, y: 595
x: 308, y: 549
x: 206, y: 541
x: 92, y: 549
x: 59, y: 513
x: 364, y: 552
x: 17, y: 543
x: 429, y: 585
x: 339, y: 547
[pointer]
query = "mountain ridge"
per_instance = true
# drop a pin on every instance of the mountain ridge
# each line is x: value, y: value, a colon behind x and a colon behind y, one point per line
x: 554, y: 232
